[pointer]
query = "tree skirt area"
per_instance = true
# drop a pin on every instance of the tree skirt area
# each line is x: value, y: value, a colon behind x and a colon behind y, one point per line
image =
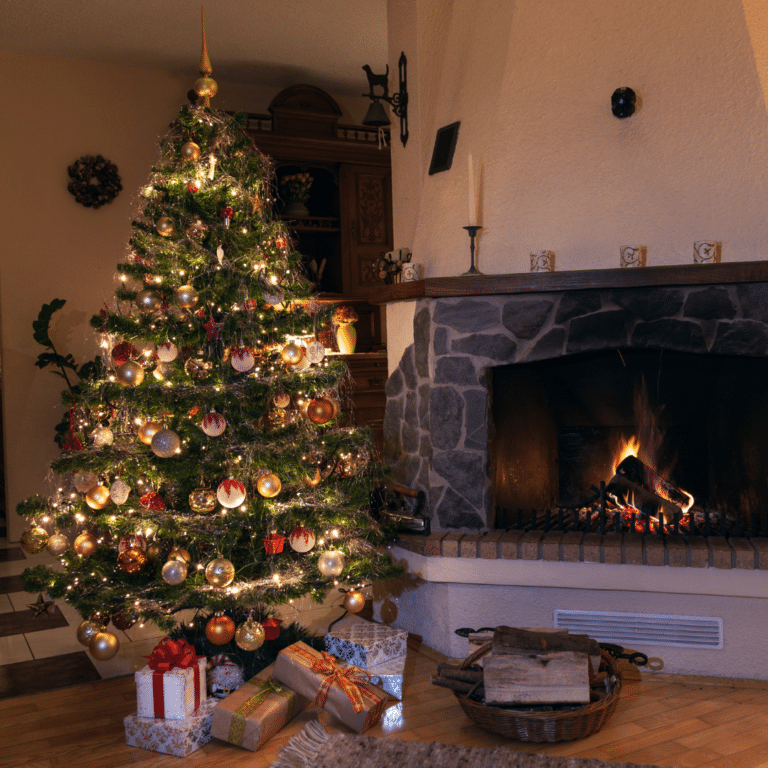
x: 314, y: 747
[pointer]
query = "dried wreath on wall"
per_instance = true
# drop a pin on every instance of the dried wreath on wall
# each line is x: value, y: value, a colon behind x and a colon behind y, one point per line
x: 95, y: 181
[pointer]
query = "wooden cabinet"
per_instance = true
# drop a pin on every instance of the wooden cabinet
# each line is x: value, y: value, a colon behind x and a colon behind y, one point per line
x: 349, y: 219
x: 348, y: 223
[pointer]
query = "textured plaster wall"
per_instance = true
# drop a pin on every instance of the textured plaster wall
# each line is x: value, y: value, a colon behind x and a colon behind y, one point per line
x: 531, y: 84
x: 52, y: 247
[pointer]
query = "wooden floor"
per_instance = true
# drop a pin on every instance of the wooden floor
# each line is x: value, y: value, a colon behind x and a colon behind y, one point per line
x: 657, y: 721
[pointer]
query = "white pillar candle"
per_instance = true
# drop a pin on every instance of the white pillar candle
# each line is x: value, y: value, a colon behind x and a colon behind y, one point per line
x: 472, y: 202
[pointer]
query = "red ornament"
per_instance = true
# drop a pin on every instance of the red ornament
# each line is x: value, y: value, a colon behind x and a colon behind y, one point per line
x: 152, y: 500
x: 271, y: 628
x: 72, y: 442
x: 193, y: 186
x: 274, y: 544
x: 250, y: 304
x: 226, y: 213
x: 213, y: 329
x: 194, y: 410
x: 123, y: 352
x: 199, y: 313
x: 281, y: 242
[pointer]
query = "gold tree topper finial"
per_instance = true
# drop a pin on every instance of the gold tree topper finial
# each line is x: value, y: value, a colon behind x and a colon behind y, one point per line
x: 205, y: 86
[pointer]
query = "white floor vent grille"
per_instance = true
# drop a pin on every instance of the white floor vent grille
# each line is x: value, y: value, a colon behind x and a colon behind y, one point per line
x: 636, y: 630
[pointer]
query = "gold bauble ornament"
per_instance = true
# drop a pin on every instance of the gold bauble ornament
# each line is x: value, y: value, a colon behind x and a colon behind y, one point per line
x: 313, y: 480
x: 331, y: 563
x: 320, y: 410
x: 206, y: 87
x: 185, y: 297
x: 269, y: 485
x: 148, y: 430
x: 163, y: 371
x: 58, y: 544
x: 292, y: 353
x: 174, y: 572
x: 354, y: 601
x: 154, y: 552
x: 84, y: 481
x: 104, y: 646
x: 197, y: 369
x: 131, y: 560
x: 97, y: 497
x: 190, y: 151
x: 220, y: 629
x: 85, y: 544
x: 250, y: 635
x: 102, y: 437
x: 220, y: 572
x: 34, y: 540
x: 165, y: 226
x: 181, y: 554
x: 130, y: 374
x: 148, y: 301
x: 202, y: 501
x: 87, y: 631
x: 196, y: 229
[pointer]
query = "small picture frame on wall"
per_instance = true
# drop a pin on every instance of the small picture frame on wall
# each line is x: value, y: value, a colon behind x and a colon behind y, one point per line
x: 445, y: 144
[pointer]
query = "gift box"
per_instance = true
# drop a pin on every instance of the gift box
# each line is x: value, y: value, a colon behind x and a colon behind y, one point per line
x: 367, y: 645
x: 343, y: 691
x: 256, y: 711
x: 171, y: 737
x: 389, y: 676
x: 172, y: 685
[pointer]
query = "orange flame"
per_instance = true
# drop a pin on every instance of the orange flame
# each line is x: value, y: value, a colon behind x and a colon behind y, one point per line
x: 627, y: 447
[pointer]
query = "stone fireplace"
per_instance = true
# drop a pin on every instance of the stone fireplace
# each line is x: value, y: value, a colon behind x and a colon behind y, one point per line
x: 439, y: 432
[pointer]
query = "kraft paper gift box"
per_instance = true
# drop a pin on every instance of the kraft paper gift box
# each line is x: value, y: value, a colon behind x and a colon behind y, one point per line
x: 342, y: 691
x: 256, y: 711
x: 171, y: 737
x: 172, y: 685
x: 367, y: 645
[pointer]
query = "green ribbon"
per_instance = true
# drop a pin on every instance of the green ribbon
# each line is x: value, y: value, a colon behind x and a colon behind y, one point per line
x: 241, y: 714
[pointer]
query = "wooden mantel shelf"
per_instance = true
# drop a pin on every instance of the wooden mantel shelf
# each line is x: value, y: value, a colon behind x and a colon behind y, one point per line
x: 544, y: 282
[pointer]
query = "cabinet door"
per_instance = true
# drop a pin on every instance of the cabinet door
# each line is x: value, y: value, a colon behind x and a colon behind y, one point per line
x: 366, y: 224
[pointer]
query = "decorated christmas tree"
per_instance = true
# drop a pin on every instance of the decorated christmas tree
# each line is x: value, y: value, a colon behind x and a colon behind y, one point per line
x: 213, y: 432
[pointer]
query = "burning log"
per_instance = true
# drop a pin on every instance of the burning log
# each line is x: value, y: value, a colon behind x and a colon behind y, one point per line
x: 649, y: 487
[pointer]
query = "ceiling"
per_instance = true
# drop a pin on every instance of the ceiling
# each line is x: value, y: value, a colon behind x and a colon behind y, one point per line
x: 321, y: 42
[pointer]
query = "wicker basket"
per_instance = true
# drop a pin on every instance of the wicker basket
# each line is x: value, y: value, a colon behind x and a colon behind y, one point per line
x: 544, y: 726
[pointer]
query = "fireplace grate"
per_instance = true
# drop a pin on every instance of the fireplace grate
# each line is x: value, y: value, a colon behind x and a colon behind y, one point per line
x: 636, y: 630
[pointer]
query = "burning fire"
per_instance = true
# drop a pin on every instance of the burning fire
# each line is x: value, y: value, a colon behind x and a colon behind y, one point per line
x: 628, y: 447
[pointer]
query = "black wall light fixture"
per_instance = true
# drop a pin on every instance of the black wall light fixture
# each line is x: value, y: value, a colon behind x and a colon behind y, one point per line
x: 376, y: 116
x: 623, y: 102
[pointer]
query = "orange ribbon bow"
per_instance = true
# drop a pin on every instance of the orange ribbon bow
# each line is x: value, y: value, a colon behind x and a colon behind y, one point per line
x: 349, y: 679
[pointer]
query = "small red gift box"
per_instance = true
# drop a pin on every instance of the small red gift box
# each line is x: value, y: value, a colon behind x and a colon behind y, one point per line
x: 274, y: 544
x: 172, y: 685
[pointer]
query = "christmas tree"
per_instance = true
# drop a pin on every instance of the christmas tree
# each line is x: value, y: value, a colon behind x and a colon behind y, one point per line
x: 214, y: 429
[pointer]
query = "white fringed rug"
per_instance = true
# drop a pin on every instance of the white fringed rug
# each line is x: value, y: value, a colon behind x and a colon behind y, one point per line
x: 314, y: 747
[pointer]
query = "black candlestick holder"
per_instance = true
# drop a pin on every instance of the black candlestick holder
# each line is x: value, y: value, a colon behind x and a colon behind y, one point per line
x: 473, y: 230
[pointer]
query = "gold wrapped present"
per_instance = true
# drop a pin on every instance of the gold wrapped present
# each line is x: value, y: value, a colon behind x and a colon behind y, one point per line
x: 345, y: 692
x: 256, y: 711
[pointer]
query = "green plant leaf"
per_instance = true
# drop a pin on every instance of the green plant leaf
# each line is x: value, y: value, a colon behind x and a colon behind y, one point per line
x: 42, y: 325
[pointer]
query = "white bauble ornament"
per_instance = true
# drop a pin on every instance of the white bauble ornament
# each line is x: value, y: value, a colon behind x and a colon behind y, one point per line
x: 301, y: 539
x: 102, y: 437
x: 84, y: 481
x: 230, y: 493
x: 174, y: 572
x: 119, y: 492
x: 167, y: 352
x: 331, y: 563
x: 315, y: 352
x: 166, y: 443
x: 213, y: 424
x: 242, y: 359
x: 58, y: 544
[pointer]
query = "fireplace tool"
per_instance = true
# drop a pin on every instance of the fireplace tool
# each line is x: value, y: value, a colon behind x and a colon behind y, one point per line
x: 391, y: 506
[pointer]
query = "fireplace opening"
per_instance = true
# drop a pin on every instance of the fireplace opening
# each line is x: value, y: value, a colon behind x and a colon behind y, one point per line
x: 695, y: 427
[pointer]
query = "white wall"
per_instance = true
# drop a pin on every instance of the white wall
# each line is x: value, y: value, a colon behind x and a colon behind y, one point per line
x: 531, y: 84
x: 56, y: 111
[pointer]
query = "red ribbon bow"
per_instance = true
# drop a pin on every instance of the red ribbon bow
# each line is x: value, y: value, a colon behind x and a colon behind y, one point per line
x: 348, y: 678
x: 172, y: 654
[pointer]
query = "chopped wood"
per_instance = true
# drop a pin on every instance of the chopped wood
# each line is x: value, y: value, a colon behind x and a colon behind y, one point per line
x: 467, y: 675
x: 457, y: 685
x: 537, y: 678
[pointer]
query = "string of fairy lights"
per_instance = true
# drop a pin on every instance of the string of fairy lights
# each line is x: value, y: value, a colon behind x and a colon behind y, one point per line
x: 215, y: 431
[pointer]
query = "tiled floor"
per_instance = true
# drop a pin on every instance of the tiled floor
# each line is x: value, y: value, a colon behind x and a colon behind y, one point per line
x: 44, y: 651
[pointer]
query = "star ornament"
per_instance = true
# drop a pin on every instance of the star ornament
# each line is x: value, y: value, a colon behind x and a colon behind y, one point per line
x: 41, y: 607
x: 213, y: 329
